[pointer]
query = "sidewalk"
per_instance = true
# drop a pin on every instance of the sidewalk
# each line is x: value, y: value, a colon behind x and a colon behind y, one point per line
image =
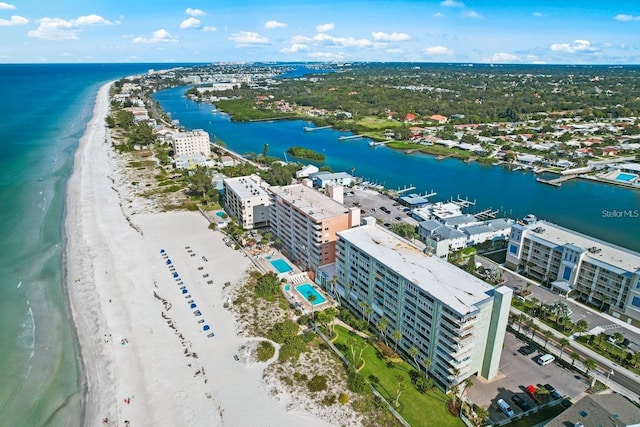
x: 601, y: 360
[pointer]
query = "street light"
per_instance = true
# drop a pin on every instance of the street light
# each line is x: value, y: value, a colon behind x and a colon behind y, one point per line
x: 609, y: 373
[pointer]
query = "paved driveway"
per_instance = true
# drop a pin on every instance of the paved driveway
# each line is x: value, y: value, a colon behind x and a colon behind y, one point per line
x: 517, y: 371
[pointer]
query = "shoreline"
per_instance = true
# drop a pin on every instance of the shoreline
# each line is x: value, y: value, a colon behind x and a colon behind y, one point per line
x: 145, y: 356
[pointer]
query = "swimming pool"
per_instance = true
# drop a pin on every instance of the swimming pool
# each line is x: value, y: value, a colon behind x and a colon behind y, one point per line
x: 625, y: 177
x: 287, y: 288
x: 220, y: 214
x: 306, y: 290
x: 281, y: 265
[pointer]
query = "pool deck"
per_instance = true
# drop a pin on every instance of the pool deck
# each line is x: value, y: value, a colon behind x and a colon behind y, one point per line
x: 295, y: 298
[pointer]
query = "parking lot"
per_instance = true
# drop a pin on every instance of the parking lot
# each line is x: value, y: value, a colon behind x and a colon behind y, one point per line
x: 378, y: 205
x: 517, y: 371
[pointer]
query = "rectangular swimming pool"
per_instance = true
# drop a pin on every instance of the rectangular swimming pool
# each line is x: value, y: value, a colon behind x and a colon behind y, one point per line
x: 626, y: 177
x: 281, y: 265
x: 306, y: 290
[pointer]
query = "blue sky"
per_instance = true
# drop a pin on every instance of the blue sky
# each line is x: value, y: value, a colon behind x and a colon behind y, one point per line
x: 497, y: 31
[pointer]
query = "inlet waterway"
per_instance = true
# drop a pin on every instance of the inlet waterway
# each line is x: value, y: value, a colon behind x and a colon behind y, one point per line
x: 604, y: 211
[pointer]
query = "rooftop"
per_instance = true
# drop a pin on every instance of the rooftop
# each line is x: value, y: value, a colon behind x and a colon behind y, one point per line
x: 311, y: 202
x: 597, y: 250
x: 246, y: 186
x: 455, y: 288
x: 606, y: 410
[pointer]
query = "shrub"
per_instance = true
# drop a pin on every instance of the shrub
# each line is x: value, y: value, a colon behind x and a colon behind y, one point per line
x: 344, y: 398
x: 317, y: 383
x: 300, y: 377
x: 356, y: 382
x: 329, y: 399
x: 265, y: 351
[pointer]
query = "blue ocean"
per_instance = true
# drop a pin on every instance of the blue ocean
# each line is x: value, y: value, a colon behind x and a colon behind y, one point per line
x: 44, y: 110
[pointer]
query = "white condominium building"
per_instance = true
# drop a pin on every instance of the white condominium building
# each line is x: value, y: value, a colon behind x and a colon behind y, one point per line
x: 306, y: 222
x: 452, y: 318
x: 193, y: 142
x: 245, y: 200
x: 588, y: 269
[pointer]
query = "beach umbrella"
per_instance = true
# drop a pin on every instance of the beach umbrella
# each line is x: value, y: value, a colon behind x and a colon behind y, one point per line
x: 193, y: 305
x: 184, y: 291
x: 206, y: 327
x: 175, y: 274
x: 168, y: 262
x: 162, y: 251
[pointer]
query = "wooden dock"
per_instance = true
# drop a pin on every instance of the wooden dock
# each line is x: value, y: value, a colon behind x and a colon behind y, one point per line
x: 311, y: 129
x: 557, y: 182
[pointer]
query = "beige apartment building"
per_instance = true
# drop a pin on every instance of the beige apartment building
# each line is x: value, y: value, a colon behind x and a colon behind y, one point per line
x: 192, y: 142
x: 245, y: 199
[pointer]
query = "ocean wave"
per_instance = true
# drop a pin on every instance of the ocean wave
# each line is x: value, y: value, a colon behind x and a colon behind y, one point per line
x: 27, y: 336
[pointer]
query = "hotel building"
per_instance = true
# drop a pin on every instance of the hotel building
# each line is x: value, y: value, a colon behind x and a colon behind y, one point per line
x: 306, y: 222
x: 587, y: 269
x: 452, y: 318
x: 193, y: 142
x: 245, y: 200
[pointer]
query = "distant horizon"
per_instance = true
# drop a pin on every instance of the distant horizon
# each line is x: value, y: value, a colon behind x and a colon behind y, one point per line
x: 572, y: 32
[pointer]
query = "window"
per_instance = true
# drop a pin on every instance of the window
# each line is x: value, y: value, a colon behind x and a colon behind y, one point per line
x: 567, y: 273
x: 635, y: 301
x: 513, y: 249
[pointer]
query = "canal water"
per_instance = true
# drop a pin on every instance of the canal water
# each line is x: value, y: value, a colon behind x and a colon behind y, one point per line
x: 603, y: 211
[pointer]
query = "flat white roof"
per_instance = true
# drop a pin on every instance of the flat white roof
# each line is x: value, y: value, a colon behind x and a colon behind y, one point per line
x: 608, y: 253
x: 447, y: 283
x: 312, y: 202
x: 245, y: 187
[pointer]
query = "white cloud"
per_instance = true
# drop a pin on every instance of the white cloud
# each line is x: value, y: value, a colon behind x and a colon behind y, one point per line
x: 190, y: 23
x: 538, y: 14
x: 14, y: 20
x: 504, y: 57
x: 296, y: 47
x: 451, y: 3
x: 158, y: 36
x: 438, y: 15
x: 342, y: 41
x: 62, y: 29
x: 325, y: 27
x: 471, y: 14
x: 329, y: 56
x: 4, y: 5
x: 300, y: 39
x: 92, y: 20
x: 393, y: 37
x: 394, y: 50
x: 248, y: 38
x: 194, y: 12
x: 271, y: 25
x: 576, y: 46
x: 438, y: 50
x: 209, y: 29
x: 624, y: 17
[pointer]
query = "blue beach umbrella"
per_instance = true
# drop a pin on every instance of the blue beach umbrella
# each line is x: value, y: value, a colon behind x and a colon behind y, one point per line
x: 184, y: 291
x: 168, y: 262
x: 175, y: 274
x: 206, y: 327
x: 162, y: 251
x: 193, y: 305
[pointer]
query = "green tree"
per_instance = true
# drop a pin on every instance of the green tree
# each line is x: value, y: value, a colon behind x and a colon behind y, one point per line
x: 200, y: 180
x: 574, y: 356
x: 397, y: 336
x: 582, y: 326
x: 413, y: 353
x: 382, y: 327
x: 401, y: 387
x: 590, y: 364
x: 564, y: 342
x: 547, y: 334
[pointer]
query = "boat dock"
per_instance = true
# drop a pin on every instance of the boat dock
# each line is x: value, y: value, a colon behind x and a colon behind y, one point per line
x: 405, y: 189
x: 344, y: 138
x: 377, y: 143
x: 557, y: 182
x: 486, y: 214
x: 310, y: 129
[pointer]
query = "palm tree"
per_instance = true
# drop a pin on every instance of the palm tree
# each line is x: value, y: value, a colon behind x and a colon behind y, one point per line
x: 413, y: 353
x: 535, y: 302
x: 563, y: 343
x: 382, y: 327
x: 427, y: 362
x: 590, y: 364
x: 312, y: 298
x: 482, y: 414
x: 397, y: 336
x: 547, y: 334
x: 582, y: 326
x: 574, y: 356
x: 534, y: 328
x: 401, y: 387
x: 368, y: 311
x: 363, y: 305
x: 468, y: 383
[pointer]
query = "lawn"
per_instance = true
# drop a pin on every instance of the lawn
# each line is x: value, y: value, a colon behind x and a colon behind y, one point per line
x: 374, y: 123
x: 417, y: 409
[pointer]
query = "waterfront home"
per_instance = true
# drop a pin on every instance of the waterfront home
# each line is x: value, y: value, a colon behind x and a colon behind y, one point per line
x: 306, y: 171
x: 323, y: 178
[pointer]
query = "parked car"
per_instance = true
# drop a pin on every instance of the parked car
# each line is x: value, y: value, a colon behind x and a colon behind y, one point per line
x: 398, y: 218
x: 552, y: 391
x: 504, y: 407
x: 521, y: 403
x: 531, y: 391
x: 527, y: 350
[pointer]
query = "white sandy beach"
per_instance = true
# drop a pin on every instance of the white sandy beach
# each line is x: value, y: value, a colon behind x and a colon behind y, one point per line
x: 147, y: 360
